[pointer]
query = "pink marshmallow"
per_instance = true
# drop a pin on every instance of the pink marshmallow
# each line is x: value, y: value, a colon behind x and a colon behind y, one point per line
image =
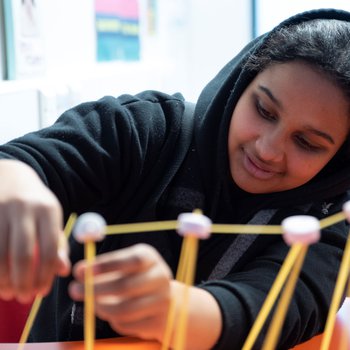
x: 194, y: 224
x: 89, y: 227
x: 346, y: 210
x: 301, y: 229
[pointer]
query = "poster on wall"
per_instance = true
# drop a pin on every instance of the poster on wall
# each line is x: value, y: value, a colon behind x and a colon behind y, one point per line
x: 117, y: 30
x: 2, y: 44
x: 24, y: 45
x: 151, y: 17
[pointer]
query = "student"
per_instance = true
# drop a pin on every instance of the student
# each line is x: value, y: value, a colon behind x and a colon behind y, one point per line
x: 269, y: 139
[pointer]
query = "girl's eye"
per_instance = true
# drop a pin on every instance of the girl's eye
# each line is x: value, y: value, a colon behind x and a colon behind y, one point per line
x: 264, y: 112
x: 306, y: 145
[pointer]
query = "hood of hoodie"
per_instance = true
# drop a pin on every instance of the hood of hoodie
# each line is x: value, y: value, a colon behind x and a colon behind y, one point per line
x: 213, y: 114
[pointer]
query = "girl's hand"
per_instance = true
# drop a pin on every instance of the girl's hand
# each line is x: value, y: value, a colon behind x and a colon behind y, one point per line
x: 132, y: 290
x: 30, y: 228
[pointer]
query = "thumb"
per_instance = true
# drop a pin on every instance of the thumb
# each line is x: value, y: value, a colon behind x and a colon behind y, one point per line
x: 63, y: 261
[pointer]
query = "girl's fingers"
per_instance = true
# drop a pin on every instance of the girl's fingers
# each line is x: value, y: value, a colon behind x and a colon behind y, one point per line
x: 126, y: 286
x: 143, y: 317
x: 129, y: 260
x: 63, y: 262
x: 115, y: 309
x: 30, y: 223
x: 49, y: 229
x: 5, y: 281
x: 131, y: 287
x: 147, y: 328
x: 22, y: 239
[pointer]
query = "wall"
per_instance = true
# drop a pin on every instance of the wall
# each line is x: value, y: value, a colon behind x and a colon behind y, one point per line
x: 194, y: 39
x: 270, y: 12
x: 220, y: 29
x: 19, y: 110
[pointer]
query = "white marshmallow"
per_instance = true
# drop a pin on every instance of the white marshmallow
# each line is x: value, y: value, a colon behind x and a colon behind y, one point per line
x: 194, y: 224
x: 301, y: 229
x: 89, y: 227
x: 346, y: 210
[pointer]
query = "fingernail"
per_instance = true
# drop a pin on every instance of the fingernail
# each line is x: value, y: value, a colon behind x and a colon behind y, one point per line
x: 25, y: 299
x: 74, y: 290
x: 7, y: 296
x: 62, y: 254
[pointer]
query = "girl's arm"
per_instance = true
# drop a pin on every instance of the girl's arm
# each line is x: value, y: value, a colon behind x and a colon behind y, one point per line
x: 30, y: 229
x: 133, y: 290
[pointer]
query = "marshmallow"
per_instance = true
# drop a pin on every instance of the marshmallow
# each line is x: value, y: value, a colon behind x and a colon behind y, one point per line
x: 301, y: 229
x: 194, y: 224
x: 346, y: 210
x: 89, y: 227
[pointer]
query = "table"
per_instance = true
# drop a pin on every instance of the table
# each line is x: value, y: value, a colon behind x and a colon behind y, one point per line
x: 128, y: 343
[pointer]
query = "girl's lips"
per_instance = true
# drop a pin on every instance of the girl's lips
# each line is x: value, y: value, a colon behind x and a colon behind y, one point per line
x: 254, y: 170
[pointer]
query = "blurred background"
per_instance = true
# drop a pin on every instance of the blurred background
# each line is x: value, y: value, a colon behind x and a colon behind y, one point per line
x: 55, y: 54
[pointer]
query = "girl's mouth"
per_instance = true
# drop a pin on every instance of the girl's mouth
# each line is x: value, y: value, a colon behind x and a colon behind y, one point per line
x: 256, y: 170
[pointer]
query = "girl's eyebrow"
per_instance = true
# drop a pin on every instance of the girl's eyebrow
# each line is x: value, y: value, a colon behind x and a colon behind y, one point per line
x: 319, y: 133
x: 270, y: 95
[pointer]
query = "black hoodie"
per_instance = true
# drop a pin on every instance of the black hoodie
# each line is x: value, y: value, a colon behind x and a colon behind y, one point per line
x: 137, y: 158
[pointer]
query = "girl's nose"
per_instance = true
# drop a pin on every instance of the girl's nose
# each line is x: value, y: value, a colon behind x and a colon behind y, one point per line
x: 270, y: 147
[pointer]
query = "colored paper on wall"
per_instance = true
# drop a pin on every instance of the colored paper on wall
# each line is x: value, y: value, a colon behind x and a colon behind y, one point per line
x: 117, y: 30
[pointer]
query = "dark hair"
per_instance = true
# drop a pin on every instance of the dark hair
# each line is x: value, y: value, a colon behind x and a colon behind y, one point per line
x: 322, y: 43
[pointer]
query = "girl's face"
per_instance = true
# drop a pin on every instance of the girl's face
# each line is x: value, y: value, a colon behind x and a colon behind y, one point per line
x: 287, y: 125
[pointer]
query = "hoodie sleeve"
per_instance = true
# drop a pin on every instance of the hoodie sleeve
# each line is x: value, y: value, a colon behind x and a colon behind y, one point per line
x: 241, y: 294
x: 103, y: 150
